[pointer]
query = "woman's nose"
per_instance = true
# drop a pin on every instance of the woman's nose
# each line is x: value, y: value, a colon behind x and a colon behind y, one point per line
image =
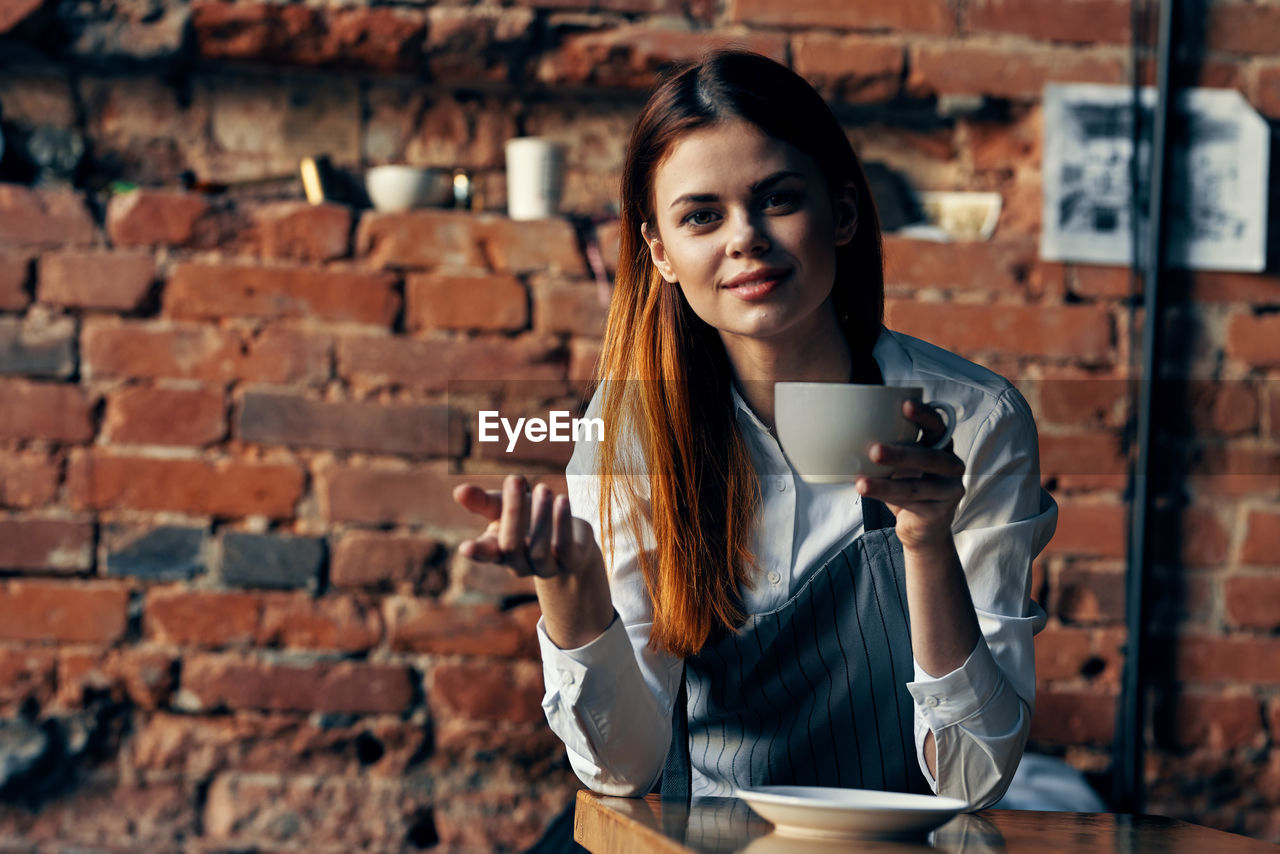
x: 747, y: 236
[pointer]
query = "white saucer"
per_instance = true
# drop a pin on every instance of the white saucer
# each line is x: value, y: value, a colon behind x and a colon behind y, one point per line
x: 843, y: 813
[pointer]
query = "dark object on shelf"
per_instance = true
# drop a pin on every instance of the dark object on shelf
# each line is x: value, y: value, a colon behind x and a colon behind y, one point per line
x: 57, y: 153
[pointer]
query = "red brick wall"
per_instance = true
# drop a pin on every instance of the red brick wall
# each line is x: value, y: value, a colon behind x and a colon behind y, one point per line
x: 225, y: 439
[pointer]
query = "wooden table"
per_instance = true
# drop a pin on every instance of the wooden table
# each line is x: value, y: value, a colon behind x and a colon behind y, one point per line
x: 605, y: 825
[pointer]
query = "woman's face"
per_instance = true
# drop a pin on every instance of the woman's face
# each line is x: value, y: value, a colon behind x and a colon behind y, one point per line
x: 747, y: 226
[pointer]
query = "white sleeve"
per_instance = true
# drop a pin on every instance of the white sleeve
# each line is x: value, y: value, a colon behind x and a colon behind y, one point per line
x: 610, y: 701
x: 980, y: 713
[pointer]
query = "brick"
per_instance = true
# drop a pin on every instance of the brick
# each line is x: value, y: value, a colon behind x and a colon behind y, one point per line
x: 382, y: 39
x: 368, y: 559
x: 405, y: 429
x: 1223, y: 286
x: 144, y: 677
x: 421, y: 495
x: 1090, y: 596
x: 55, y: 412
x: 573, y: 307
x: 468, y: 44
x: 211, y: 682
x: 1252, y: 602
x: 15, y: 271
x: 271, y: 560
x: 1264, y: 89
x: 534, y: 246
x: 201, y: 487
x: 160, y: 553
x: 1244, y: 660
x: 631, y: 56
x: 1081, y: 401
x: 111, y: 281
x: 584, y: 356
x: 136, y: 816
x: 1262, y: 538
x: 1074, y: 331
x: 487, y: 691
x: 203, y: 618
x: 67, y: 612
x: 1209, y: 408
x: 46, y: 544
x: 154, y: 218
x: 1249, y: 28
x: 1254, y: 339
x: 28, y: 479
x: 26, y: 674
x: 422, y: 238
x: 1004, y: 265
x: 403, y: 361
x: 148, y: 415
x: 204, y: 352
x: 1235, y: 471
x: 1061, y: 653
x: 855, y: 69
x: 1105, y: 282
x: 37, y: 347
x: 1192, y: 536
x: 298, y: 231
x: 1083, y: 21
x: 213, y: 291
x: 1214, y: 722
x: 922, y: 16
x: 1094, y: 530
x: 1074, y: 717
x: 53, y: 218
x: 465, y: 301
x: 299, y: 621
x: 199, y: 746
x: 351, y: 814
x: 1083, y: 461
x: 416, y: 625
x: 1008, y: 72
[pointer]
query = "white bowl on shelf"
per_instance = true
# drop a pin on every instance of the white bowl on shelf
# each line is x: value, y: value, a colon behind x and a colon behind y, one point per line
x: 397, y: 187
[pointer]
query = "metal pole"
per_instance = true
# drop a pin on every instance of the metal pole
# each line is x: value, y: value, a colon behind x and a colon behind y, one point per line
x: 1133, y: 713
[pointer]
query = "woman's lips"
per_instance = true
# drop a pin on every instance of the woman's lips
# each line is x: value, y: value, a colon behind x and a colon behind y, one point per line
x: 754, y: 286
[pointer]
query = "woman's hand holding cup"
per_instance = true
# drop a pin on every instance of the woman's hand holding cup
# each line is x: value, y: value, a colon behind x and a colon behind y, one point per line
x: 925, y: 485
x: 535, y: 533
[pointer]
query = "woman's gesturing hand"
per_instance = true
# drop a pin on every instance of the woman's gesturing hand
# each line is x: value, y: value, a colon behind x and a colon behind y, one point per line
x: 925, y: 488
x: 536, y: 534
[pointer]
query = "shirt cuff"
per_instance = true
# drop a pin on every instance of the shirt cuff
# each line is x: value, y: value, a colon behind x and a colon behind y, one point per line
x: 945, y: 700
x: 575, y: 674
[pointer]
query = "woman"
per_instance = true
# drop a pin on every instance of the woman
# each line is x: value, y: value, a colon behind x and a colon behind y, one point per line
x: 875, y: 634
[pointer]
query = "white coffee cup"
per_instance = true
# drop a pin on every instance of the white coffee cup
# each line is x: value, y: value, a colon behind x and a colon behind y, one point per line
x: 535, y: 171
x: 827, y: 429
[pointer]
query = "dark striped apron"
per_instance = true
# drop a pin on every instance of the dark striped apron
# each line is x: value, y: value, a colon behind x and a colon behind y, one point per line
x: 812, y: 693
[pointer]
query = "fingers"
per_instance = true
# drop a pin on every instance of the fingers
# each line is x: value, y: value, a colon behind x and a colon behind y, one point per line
x: 562, y: 529
x: 513, y: 523
x: 911, y: 491
x: 540, y: 532
x: 921, y: 459
x: 485, y: 503
x: 932, y: 425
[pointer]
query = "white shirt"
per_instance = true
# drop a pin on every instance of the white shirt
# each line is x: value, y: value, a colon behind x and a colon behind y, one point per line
x: 610, y: 701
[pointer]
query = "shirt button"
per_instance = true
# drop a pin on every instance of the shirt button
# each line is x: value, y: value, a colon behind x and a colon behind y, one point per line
x: 782, y: 484
x: 774, y: 578
x: 566, y: 678
x: 932, y: 701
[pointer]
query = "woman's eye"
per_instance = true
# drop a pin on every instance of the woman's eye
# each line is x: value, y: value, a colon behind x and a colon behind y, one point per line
x: 701, y: 218
x: 779, y: 200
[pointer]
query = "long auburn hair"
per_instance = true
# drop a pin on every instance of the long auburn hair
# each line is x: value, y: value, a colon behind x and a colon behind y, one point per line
x: 664, y: 376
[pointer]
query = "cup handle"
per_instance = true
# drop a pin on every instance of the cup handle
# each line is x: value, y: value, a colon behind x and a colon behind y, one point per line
x: 950, y: 412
